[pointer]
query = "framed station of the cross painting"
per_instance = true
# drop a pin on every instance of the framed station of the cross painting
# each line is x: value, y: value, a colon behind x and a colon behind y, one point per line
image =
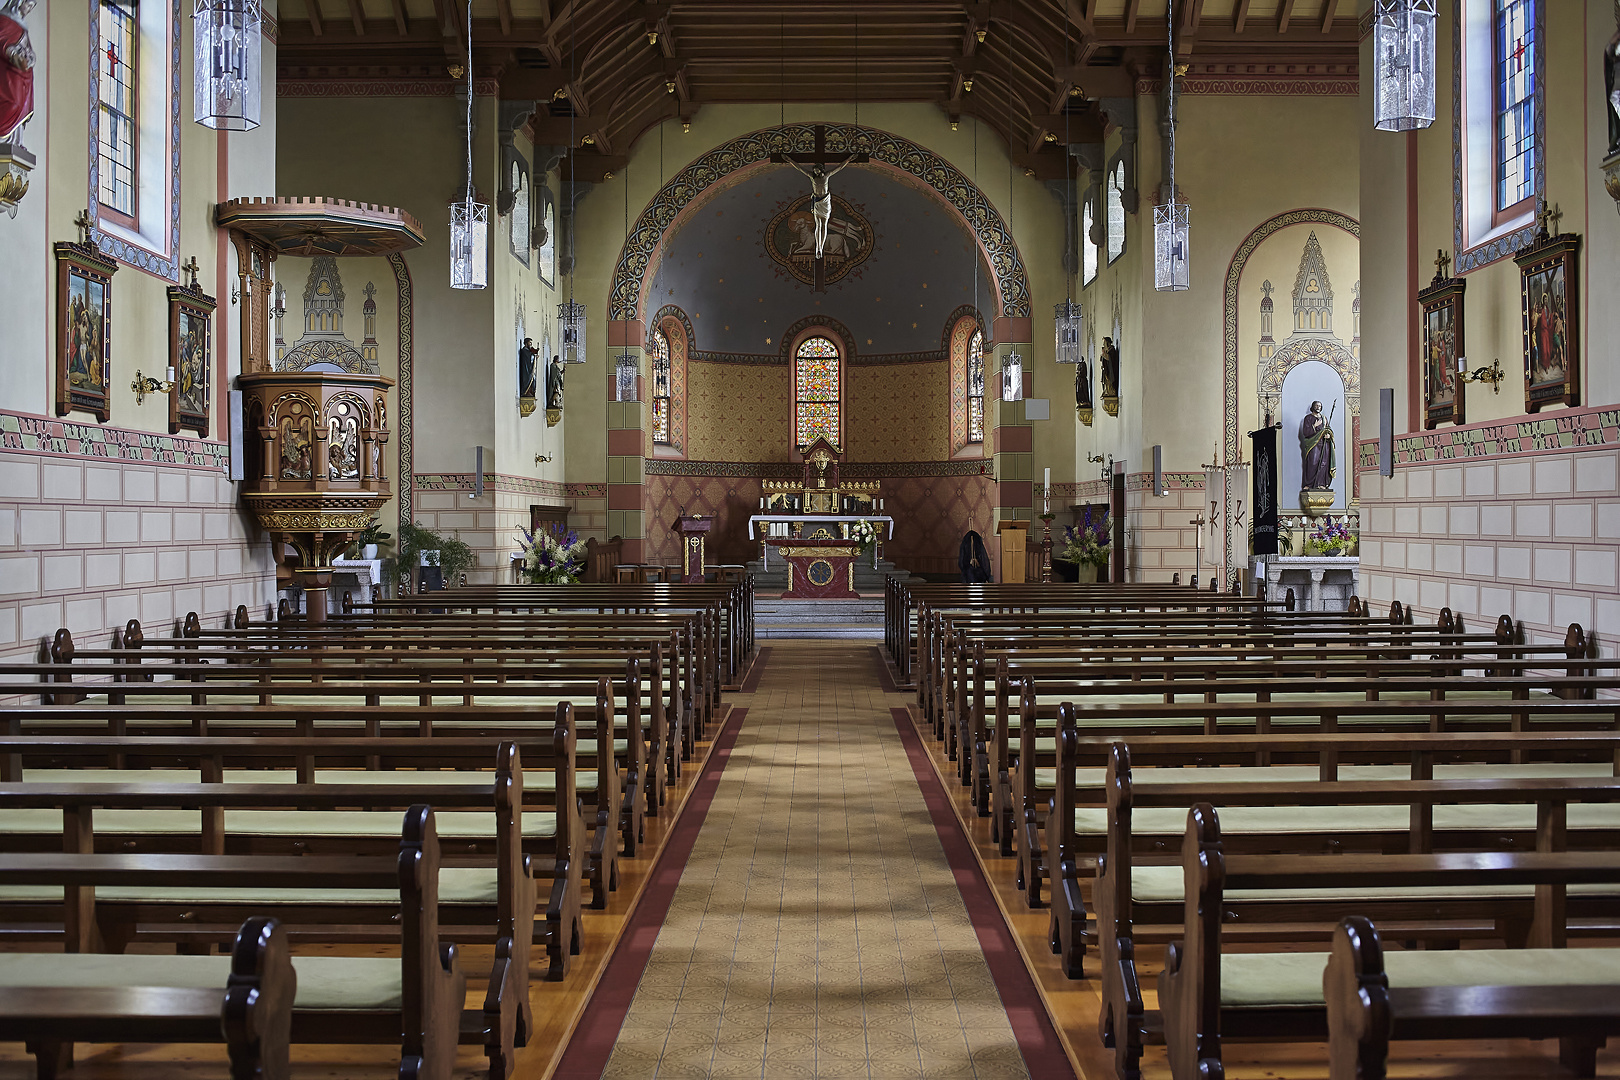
x: 83, y: 330
x: 1442, y: 343
x: 1550, y: 309
x: 191, y: 354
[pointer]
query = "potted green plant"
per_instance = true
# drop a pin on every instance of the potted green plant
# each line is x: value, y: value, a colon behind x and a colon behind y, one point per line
x: 424, y: 547
x: 368, y: 540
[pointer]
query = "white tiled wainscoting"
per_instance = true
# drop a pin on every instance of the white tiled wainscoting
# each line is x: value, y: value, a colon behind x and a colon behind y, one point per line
x: 1535, y: 536
x: 90, y: 544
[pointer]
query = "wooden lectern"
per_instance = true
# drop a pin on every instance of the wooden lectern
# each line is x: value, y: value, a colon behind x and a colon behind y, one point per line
x: 1014, y: 534
x: 693, y: 531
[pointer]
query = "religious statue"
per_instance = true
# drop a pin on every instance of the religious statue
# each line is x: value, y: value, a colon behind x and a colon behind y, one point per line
x: 1317, y: 459
x: 528, y: 369
x: 554, y: 384
x: 1082, y: 385
x: 1611, y: 84
x: 821, y: 196
x: 1108, y: 360
x: 16, y: 68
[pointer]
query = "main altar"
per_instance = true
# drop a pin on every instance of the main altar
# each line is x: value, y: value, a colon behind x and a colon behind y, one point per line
x: 813, y: 522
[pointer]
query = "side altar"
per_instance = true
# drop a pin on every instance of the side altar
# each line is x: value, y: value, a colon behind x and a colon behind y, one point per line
x: 815, y: 523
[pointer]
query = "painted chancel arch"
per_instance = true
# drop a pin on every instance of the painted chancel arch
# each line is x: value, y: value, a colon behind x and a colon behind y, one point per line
x: 728, y: 163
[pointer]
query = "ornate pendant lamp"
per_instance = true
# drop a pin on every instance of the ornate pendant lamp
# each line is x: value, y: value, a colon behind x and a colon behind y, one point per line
x: 1012, y: 377
x: 1067, y: 316
x: 469, y: 220
x: 227, y: 64
x: 1404, y: 61
x: 571, y: 317
x: 1171, y: 267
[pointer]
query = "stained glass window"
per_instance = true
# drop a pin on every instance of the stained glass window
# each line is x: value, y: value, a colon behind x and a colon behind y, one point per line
x: 975, y: 387
x: 1088, y: 247
x: 1114, y: 186
x: 660, y: 374
x: 815, y: 382
x: 1515, y: 102
x: 117, y: 59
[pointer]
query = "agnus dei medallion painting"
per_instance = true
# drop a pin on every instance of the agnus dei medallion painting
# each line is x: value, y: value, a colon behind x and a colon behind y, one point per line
x: 790, y: 239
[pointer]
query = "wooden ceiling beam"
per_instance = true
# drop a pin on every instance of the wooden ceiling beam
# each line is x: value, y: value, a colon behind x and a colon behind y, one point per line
x: 357, y: 15
x: 314, y: 9
x: 402, y: 22
x: 1285, y: 14
x: 503, y: 11
x: 1133, y: 8
x: 1240, y: 16
x: 1327, y: 15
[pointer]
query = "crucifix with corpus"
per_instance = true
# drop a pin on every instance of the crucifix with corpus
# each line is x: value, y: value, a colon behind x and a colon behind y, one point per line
x: 815, y: 167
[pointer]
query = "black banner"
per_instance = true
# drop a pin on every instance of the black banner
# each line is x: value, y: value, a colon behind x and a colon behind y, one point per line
x: 1265, y: 491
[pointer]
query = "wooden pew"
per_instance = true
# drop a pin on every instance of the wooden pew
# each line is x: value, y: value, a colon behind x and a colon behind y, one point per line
x: 610, y: 812
x: 413, y: 999
x: 249, y: 1008
x: 1366, y: 1011
x: 1208, y: 995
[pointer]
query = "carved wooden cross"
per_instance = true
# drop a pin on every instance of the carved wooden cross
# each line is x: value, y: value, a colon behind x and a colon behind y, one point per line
x: 819, y: 157
x: 84, y: 224
x: 1442, y: 265
x: 191, y: 268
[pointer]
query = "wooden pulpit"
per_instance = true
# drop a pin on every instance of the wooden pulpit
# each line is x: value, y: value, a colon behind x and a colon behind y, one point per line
x: 694, y: 532
x: 1014, y: 536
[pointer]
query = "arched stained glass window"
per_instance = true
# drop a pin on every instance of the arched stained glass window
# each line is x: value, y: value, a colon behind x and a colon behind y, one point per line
x: 815, y: 391
x: 1114, y: 188
x: 661, y: 382
x: 1088, y: 246
x: 975, y: 387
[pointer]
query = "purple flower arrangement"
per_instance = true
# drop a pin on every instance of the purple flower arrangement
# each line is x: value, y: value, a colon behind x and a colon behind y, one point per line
x: 549, y: 561
x: 1089, y: 541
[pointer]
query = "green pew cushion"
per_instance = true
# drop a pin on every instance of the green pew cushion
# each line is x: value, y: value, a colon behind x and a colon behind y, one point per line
x: 1163, y: 884
x: 459, y: 824
x: 457, y: 885
x: 1295, y: 979
x: 325, y: 983
x: 1238, y: 820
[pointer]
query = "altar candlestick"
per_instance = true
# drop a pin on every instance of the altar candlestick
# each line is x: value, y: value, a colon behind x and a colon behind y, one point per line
x: 1047, y: 489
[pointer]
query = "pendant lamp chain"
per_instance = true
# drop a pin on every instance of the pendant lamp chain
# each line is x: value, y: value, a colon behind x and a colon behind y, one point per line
x: 571, y: 313
x: 1067, y: 316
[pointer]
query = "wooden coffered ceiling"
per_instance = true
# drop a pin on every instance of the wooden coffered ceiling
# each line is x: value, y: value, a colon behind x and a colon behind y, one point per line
x: 602, y: 72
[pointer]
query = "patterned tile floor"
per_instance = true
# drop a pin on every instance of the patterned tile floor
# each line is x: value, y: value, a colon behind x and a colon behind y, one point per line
x: 817, y: 930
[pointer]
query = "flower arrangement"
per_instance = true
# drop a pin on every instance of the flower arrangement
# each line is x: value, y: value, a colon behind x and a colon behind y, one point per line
x: 1330, y: 537
x: 1089, y: 542
x: 865, y: 532
x: 549, y: 561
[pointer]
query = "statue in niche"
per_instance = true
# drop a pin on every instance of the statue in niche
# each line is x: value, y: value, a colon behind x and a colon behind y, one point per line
x: 343, y: 448
x: 1082, y: 384
x: 528, y: 375
x: 1108, y: 360
x: 297, y: 448
x: 554, y: 384
x: 16, y: 68
x: 1317, y: 459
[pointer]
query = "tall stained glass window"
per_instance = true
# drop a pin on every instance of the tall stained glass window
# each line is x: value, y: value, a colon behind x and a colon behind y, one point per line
x: 117, y: 59
x: 1114, y: 187
x: 1088, y: 247
x: 661, y: 380
x: 1515, y: 78
x: 815, y: 391
x: 975, y: 387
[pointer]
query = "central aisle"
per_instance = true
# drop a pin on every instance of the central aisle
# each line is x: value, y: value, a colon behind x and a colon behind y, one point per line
x: 817, y: 929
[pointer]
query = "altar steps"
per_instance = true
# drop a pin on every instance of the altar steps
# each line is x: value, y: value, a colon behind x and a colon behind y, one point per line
x: 858, y: 619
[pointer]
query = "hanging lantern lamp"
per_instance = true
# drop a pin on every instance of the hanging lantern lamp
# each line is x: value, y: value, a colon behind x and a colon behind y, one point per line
x: 1012, y: 377
x: 1404, y: 60
x: 1171, y: 268
x: 226, y: 87
x: 1069, y: 324
x: 626, y: 370
x: 571, y: 317
x: 469, y: 220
